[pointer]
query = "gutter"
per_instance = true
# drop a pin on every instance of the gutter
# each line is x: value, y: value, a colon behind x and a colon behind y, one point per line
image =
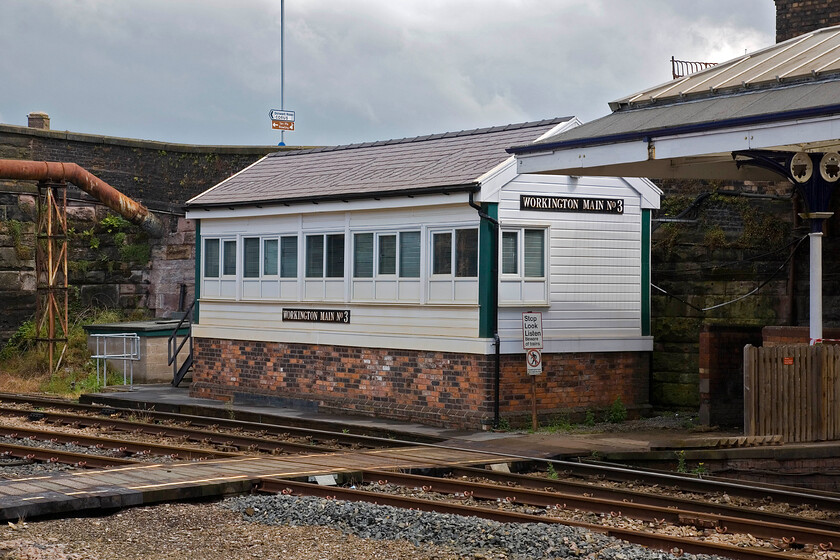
x: 705, y: 126
x: 467, y: 187
x: 494, y: 298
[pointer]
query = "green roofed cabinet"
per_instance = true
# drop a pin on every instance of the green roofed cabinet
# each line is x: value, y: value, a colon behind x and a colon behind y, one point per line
x: 153, y: 366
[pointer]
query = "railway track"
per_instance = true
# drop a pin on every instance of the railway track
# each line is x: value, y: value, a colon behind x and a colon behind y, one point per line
x: 574, y: 488
x: 506, y: 503
x: 345, y: 434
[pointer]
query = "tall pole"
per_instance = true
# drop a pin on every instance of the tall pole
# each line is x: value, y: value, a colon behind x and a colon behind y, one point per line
x: 816, y: 326
x: 282, y: 63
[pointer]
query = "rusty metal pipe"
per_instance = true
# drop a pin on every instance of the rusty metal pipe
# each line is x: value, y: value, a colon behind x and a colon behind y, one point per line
x: 131, y: 210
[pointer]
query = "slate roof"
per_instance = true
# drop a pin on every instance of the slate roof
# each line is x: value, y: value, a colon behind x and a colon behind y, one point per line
x: 794, y: 79
x: 445, y: 162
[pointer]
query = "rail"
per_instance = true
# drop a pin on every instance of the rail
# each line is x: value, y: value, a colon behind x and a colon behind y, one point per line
x: 174, y: 348
x: 681, y: 68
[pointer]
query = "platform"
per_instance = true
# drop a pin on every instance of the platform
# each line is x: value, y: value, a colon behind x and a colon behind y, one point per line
x: 557, y: 445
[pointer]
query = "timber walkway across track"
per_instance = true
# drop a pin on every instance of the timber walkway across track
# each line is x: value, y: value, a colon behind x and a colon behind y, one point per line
x: 147, y: 483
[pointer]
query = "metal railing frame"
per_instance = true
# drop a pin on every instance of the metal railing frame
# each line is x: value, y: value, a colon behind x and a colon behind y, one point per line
x: 174, y: 348
x: 130, y: 354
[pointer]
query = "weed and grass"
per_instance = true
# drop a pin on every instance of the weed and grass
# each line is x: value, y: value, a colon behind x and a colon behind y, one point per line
x: 24, y: 363
x: 700, y: 469
x: 552, y: 472
x: 617, y: 412
x: 15, y: 230
x: 681, y: 465
x: 561, y: 423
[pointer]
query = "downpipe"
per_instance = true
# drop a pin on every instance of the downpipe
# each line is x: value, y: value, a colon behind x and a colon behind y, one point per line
x: 494, y: 292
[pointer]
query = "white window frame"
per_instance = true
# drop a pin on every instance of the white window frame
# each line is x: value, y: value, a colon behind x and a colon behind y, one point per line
x: 325, y: 288
x: 447, y: 287
x: 392, y: 287
x: 518, y: 282
x: 222, y: 286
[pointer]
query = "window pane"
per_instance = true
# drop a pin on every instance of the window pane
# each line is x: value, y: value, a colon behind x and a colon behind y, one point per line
x: 270, y: 257
x: 314, y: 256
x: 211, y: 258
x: 251, y: 257
x: 387, y: 254
x: 442, y: 253
x: 466, y: 252
x: 534, y: 253
x: 335, y: 256
x: 410, y: 254
x: 288, y: 257
x: 229, y: 258
x: 510, y: 252
x: 363, y: 255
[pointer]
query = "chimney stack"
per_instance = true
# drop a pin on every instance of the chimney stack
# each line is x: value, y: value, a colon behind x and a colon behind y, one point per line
x: 38, y: 120
x: 796, y: 17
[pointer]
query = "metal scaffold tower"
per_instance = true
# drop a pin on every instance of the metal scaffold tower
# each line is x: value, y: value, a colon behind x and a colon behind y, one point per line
x: 51, y: 317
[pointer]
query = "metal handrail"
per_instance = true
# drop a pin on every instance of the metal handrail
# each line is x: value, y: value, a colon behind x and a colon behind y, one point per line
x: 172, y: 350
x: 682, y: 68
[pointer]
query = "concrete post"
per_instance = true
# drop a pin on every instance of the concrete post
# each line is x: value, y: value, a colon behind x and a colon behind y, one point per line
x: 815, y: 315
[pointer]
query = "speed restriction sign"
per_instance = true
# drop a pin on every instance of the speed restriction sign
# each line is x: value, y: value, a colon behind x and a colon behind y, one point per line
x: 533, y: 359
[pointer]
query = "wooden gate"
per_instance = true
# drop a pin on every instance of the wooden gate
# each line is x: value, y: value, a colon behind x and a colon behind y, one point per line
x: 792, y: 391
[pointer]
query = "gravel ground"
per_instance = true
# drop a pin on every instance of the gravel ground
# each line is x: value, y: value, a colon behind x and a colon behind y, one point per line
x: 468, y: 537
x: 193, y: 532
x: 291, y: 528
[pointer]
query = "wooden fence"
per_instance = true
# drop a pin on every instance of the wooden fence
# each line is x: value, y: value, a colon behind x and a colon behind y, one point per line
x: 792, y: 391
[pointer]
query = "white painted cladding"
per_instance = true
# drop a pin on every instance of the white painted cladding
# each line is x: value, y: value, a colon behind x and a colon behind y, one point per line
x: 594, y: 271
x: 430, y: 313
x: 590, y: 295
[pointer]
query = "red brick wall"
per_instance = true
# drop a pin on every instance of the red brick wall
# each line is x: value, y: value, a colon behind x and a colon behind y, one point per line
x: 795, y: 17
x: 574, y: 383
x: 776, y: 336
x: 722, y: 373
x: 435, y: 388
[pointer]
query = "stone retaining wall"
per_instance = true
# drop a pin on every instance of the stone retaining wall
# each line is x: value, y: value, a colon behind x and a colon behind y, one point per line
x: 131, y: 271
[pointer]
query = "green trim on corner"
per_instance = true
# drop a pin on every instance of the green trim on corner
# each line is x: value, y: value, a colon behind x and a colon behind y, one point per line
x: 197, y: 286
x: 486, y: 261
x: 645, y: 273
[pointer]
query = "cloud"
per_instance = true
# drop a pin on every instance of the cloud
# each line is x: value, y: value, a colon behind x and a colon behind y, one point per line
x: 208, y: 71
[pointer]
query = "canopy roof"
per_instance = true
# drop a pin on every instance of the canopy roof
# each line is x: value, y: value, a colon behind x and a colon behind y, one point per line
x: 784, y: 97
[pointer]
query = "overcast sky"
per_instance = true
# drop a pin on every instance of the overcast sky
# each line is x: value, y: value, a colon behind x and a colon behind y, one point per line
x: 208, y: 71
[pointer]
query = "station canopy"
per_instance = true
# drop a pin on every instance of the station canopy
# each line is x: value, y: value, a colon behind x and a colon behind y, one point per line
x: 784, y: 98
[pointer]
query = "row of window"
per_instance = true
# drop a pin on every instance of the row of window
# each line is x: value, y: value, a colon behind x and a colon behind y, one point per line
x: 393, y: 254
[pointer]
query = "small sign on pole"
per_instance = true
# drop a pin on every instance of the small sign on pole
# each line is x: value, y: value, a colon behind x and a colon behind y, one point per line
x: 282, y: 125
x: 282, y: 119
x: 532, y: 335
x: 282, y: 115
x: 532, y: 343
x: 533, y: 359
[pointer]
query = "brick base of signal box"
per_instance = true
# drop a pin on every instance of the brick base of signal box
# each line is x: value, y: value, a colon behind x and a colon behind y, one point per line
x: 434, y: 388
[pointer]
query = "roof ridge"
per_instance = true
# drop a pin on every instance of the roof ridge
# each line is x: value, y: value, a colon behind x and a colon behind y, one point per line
x: 427, y: 137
